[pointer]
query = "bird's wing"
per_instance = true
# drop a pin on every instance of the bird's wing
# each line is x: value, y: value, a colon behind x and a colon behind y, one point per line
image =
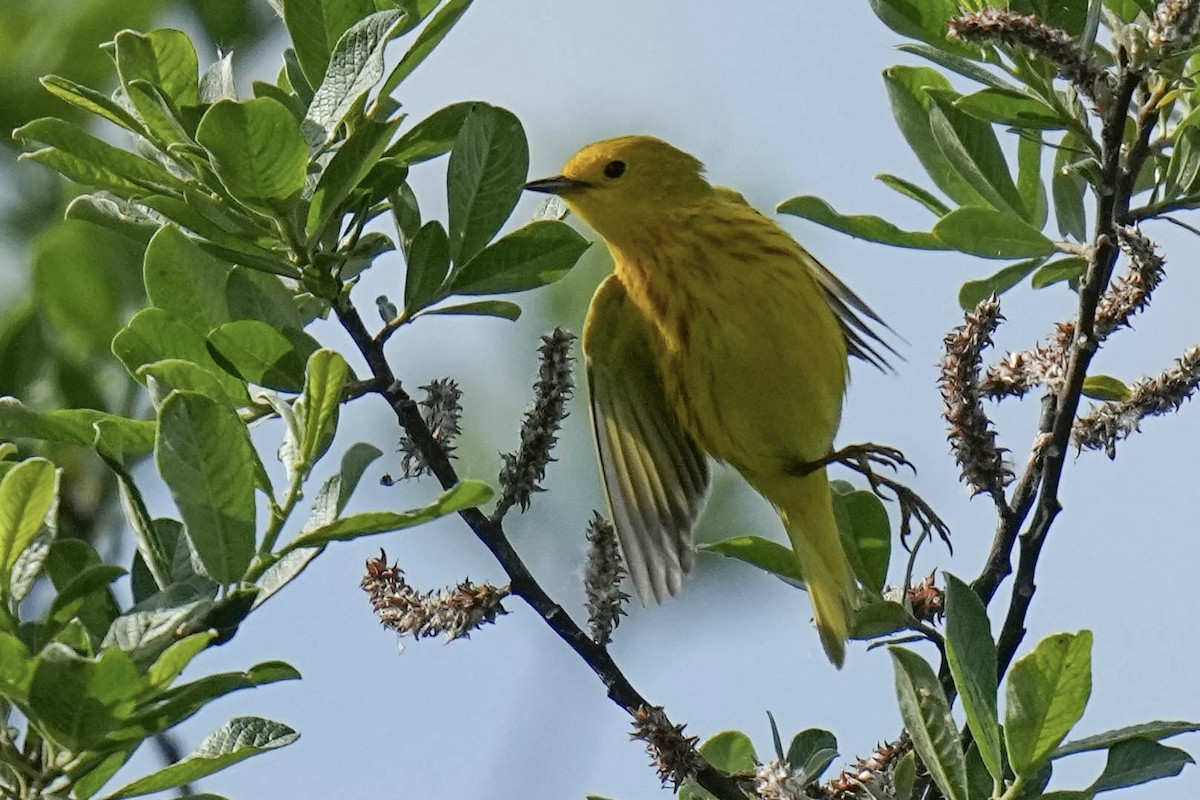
x: 654, y: 475
x: 854, y: 315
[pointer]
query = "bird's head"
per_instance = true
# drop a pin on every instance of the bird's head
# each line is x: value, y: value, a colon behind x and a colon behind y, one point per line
x: 621, y: 185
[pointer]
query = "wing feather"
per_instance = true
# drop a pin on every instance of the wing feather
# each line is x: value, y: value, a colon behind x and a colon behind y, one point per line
x: 655, y: 477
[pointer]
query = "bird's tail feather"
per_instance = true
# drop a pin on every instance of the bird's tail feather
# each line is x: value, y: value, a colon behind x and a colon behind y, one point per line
x: 807, y: 511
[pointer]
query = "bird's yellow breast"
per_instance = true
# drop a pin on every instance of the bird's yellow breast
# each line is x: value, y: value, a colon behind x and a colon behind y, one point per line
x: 750, y: 353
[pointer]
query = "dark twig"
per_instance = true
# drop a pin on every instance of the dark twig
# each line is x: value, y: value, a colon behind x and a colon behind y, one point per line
x: 1055, y: 434
x: 491, y: 533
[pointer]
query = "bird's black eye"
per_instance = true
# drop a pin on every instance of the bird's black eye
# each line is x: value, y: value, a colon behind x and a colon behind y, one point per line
x: 614, y: 169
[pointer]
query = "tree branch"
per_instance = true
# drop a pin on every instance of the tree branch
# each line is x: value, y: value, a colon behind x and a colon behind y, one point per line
x: 491, y: 533
x: 1112, y: 212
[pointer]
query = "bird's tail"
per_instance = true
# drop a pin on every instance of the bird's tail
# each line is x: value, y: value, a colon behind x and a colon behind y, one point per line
x: 806, y: 505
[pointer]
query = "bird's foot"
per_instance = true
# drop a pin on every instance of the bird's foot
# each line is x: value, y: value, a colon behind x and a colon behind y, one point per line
x: 865, y: 459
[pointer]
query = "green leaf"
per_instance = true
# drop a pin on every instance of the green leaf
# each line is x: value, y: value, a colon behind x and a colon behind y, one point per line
x: 82, y: 275
x: 772, y: 557
x: 317, y: 409
x: 1184, y: 163
x: 864, y: 524
x: 77, y: 701
x: 262, y: 354
x: 152, y: 626
x: 1008, y: 107
x: 87, y: 160
x: 483, y: 308
x: 171, y: 664
x: 1029, y: 180
x: 1047, y: 693
x: 1059, y: 270
x: 251, y: 294
x: 369, y: 247
x: 406, y: 213
x: 428, y: 262
x: 428, y: 39
x: 914, y: 192
x: 174, y: 705
x: 237, y: 740
x: 154, y: 335
x: 924, y: 20
x: 1138, y: 761
x: 32, y: 559
x: 807, y: 748
x: 904, y: 776
x: 877, y: 619
x: 204, y: 455
x: 164, y: 58
x: 185, y: 281
x: 354, y: 159
x: 962, y: 66
x: 973, y: 293
x: 28, y: 494
x: 464, y: 494
x: 315, y: 26
x: 212, y: 223
x: 1159, y: 729
x: 909, y: 93
x: 90, y: 582
x: 988, y: 233
x: 974, y: 152
x: 1105, y: 387
x: 926, y: 715
x: 535, y: 255
x: 860, y: 226
x: 431, y: 137
x: 335, y: 493
x: 257, y: 151
x: 66, y: 562
x: 971, y: 653
x: 160, y: 116
x: 354, y: 68
x: 487, y: 169
x: 71, y: 426
x: 90, y: 778
x: 168, y: 375
x: 91, y: 101
x: 285, y: 570
x: 731, y: 752
x: 16, y: 668
x: 1067, y: 188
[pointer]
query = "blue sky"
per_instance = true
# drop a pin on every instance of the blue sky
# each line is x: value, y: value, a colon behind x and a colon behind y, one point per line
x: 778, y: 99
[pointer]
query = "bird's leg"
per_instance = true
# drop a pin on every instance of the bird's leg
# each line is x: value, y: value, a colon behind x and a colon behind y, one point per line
x: 863, y: 458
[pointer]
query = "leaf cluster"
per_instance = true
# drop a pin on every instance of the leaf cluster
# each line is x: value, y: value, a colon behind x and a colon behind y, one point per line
x: 233, y: 225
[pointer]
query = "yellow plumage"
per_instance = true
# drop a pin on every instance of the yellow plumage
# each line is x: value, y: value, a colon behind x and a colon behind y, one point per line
x: 717, y: 334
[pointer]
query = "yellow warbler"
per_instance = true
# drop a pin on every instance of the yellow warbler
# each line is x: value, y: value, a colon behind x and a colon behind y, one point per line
x: 717, y: 335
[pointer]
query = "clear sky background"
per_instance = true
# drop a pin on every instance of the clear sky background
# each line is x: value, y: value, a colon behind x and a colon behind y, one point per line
x: 778, y: 98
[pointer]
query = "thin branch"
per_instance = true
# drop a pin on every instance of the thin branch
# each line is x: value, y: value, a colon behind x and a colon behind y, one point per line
x: 1113, y: 208
x: 491, y: 533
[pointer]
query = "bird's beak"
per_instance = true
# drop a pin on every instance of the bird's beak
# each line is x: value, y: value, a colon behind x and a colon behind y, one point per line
x: 559, y: 184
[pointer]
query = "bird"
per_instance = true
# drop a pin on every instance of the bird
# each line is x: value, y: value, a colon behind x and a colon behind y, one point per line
x: 716, y: 336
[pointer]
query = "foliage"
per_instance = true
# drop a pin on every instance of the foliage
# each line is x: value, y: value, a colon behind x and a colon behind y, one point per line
x: 246, y: 217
